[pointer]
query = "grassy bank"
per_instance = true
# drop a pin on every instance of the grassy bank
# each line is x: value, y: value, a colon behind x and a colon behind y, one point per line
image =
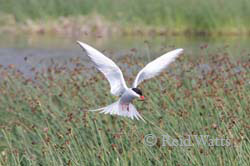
x: 165, y: 16
x: 44, y: 121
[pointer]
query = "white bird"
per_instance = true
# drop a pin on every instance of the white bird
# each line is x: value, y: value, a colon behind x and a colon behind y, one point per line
x: 113, y: 74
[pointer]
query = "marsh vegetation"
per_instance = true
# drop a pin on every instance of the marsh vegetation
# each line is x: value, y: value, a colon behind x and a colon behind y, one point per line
x: 47, y: 86
x: 44, y: 121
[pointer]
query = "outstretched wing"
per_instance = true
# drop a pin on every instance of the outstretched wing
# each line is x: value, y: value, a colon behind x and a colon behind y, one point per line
x: 110, y: 70
x: 155, y: 67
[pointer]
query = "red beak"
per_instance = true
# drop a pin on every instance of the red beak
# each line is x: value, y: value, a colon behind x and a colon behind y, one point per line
x: 142, y: 97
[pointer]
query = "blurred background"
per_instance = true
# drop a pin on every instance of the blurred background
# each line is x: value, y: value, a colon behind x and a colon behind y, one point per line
x: 41, y: 30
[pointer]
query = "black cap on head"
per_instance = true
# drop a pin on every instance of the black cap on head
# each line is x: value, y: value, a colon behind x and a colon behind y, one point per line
x: 138, y: 91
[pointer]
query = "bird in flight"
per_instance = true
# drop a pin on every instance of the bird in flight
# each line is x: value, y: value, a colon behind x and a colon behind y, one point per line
x: 113, y: 74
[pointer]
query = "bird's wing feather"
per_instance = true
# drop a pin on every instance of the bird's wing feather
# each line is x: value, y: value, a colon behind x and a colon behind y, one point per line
x: 155, y: 67
x: 110, y: 70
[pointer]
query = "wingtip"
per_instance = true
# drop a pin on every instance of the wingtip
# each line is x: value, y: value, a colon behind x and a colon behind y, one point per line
x: 79, y: 42
x: 180, y: 50
x: 82, y: 45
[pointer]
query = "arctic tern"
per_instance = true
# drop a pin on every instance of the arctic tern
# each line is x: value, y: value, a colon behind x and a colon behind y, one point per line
x: 113, y: 74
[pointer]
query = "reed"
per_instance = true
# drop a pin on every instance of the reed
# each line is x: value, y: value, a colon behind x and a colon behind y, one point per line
x: 44, y: 120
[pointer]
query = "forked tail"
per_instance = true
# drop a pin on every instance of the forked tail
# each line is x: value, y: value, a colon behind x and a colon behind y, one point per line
x: 117, y: 108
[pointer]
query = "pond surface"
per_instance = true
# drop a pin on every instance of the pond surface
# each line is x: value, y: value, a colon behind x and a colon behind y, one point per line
x: 38, y: 51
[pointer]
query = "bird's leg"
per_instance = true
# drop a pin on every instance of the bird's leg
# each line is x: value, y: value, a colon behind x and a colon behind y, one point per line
x: 127, y: 107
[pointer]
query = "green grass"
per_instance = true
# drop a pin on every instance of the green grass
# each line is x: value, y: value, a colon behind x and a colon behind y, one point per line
x: 44, y: 121
x: 174, y: 15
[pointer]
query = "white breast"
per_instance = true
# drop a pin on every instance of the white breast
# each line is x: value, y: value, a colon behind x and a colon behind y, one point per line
x: 127, y: 96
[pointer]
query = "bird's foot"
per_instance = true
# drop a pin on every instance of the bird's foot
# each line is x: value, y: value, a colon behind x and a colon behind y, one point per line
x: 126, y: 106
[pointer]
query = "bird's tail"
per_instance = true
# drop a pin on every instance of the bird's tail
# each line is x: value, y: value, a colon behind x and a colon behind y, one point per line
x: 117, y: 108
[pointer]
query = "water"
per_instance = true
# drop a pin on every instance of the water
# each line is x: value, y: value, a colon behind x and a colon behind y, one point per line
x: 38, y: 51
